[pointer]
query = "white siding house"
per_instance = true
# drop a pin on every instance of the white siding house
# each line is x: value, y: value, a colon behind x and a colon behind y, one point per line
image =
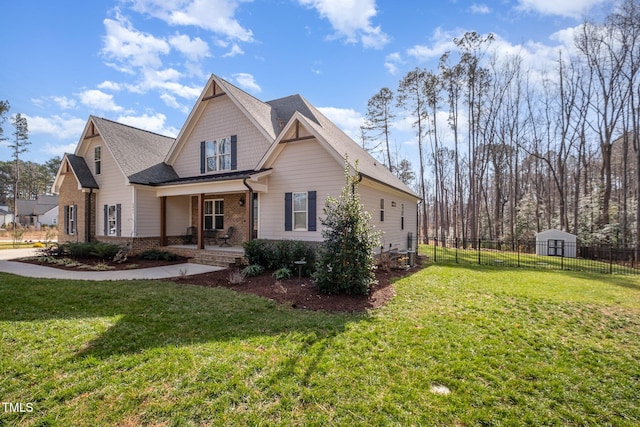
x: 255, y: 169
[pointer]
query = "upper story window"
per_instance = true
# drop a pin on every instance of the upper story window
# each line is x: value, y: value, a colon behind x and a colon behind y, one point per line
x: 218, y: 155
x: 97, y: 157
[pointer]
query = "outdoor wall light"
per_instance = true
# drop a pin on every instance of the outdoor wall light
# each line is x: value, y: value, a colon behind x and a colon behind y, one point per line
x: 241, y: 202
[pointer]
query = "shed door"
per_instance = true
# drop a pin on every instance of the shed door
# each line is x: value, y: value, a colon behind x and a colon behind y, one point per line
x: 555, y: 247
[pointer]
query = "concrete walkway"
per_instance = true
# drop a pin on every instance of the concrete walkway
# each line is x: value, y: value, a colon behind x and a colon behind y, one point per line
x: 38, y: 271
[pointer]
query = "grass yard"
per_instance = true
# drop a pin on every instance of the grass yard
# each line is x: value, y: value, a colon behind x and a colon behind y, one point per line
x: 511, y: 347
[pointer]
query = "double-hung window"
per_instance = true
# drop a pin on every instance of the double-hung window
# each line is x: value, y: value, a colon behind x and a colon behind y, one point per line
x: 70, y: 219
x: 300, y: 211
x: 218, y: 154
x: 112, y: 228
x: 97, y: 158
x: 214, y: 214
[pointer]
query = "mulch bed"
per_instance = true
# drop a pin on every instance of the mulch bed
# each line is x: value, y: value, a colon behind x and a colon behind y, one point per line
x: 302, y: 294
x: 298, y: 294
x: 133, y: 262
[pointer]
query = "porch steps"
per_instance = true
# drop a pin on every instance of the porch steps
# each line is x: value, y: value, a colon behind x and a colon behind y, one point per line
x: 219, y: 259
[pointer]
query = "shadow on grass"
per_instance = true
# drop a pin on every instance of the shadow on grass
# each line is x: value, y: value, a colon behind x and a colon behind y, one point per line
x: 150, y: 314
x: 626, y: 281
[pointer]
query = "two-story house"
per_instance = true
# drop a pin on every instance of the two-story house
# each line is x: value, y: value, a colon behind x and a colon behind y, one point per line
x: 261, y: 169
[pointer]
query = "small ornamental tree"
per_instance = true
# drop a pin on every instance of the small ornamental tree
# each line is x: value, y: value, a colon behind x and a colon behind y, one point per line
x: 345, y: 263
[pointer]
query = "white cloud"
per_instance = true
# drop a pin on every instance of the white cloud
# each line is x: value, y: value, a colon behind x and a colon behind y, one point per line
x: 59, y: 127
x: 391, y: 63
x: 351, y: 20
x: 479, y: 9
x: 153, y: 123
x: 131, y: 48
x: 58, y: 150
x: 213, y: 15
x: 570, y: 9
x: 235, y: 51
x: 193, y: 49
x: 442, y: 41
x: 61, y: 101
x: 107, y: 85
x: 347, y: 119
x: 98, y: 100
x: 172, y: 102
x: 247, y: 81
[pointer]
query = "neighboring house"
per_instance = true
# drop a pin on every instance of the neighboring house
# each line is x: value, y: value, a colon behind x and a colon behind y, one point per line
x: 6, y: 216
x: 556, y: 243
x: 263, y: 168
x: 41, y: 211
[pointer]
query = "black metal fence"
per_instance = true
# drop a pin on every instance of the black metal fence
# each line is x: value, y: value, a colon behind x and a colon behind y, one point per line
x: 550, y: 255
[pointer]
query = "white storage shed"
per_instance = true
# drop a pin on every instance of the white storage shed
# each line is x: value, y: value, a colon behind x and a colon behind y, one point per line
x: 556, y: 243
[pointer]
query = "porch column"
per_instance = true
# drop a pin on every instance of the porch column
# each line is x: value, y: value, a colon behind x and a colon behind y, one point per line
x: 163, y: 221
x: 201, y: 221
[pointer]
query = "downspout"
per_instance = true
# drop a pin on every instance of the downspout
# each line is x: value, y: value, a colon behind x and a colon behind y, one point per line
x: 88, y: 216
x: 250, y: 203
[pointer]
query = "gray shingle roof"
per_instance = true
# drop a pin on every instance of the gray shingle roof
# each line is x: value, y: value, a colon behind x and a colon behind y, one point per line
x: 139, y: 153
x: 39, y: 206
x: 81, y: 170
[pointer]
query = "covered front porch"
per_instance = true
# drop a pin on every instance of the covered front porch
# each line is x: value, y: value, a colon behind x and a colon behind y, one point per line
x: 213, y: 213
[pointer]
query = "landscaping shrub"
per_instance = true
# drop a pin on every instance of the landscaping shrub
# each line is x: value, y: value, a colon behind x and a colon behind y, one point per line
x: 253, y: 270
x: 104, y: 250
x: 156, y: 255
x: 345, y: 263
x: 282, y: 274
x: 274, y: 254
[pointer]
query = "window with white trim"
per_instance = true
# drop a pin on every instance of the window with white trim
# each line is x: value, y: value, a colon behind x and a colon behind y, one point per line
x: 402, y: 216
x: 381, y: 210
x: 214, y: 214
x: 300, y: 211
x: 112, y: 222
x: 218, y: 154
x: 70, y: 217
x: 97, y: 158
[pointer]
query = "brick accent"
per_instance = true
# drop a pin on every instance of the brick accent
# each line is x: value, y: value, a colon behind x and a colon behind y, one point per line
x: 70, y: 195
x: 235, y: 216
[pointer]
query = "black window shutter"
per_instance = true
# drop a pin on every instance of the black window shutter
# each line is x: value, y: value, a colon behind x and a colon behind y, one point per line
x: 311, y: 214
x: 288, y: 211
x: 118, y: 220
x: 75, y: 219
x: 203, y: 159
x: 65, y: 212
x: 234, y: 152
x: 106, y: 219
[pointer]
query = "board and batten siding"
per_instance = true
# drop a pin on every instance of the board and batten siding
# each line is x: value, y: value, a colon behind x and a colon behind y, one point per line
x: 301, y: 167
x: 114, y: 188
x: 221, y: 118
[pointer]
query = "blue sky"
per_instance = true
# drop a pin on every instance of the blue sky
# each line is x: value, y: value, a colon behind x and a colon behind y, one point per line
x: 144, y: 62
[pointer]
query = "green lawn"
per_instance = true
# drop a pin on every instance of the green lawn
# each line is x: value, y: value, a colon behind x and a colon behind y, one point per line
x: 513, y: 347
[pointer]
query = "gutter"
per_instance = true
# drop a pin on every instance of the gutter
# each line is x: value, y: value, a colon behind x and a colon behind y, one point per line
x: 250, y: 204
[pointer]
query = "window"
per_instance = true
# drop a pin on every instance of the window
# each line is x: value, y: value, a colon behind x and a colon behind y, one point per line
x: 381, y: 210
x: 299, y: 211
x: 555, y: 247
x: 218, y: 155
x: 97, y: 157
x: 70, y: 219
x: 214, y: 214
x: 402, y: 216
x: 112, y: 228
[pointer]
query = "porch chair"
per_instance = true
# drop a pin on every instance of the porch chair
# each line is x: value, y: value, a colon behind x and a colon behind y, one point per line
x: 226, y: 237
x: 191, y: 236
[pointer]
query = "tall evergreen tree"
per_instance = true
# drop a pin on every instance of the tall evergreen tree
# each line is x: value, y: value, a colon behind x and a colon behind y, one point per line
x: 379, y: 117
x: 19, y: 146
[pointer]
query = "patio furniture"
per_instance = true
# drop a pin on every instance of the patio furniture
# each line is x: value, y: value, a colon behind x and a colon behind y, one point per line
x: 191, y: 237
x: 225, y: 237
x: 210, y: 235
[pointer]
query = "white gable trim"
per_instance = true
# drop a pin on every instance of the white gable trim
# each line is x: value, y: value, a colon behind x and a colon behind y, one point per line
x: 196, y: 113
